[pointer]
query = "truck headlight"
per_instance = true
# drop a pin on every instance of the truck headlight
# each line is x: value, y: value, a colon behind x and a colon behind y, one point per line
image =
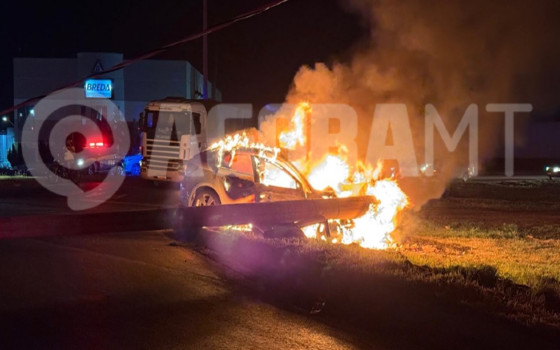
x: 556, y: 169
x: 80, y: 162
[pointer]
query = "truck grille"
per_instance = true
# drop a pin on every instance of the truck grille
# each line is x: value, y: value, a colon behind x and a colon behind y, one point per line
x: 162, y: 155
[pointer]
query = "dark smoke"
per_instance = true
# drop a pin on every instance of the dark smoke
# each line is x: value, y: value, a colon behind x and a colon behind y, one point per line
x: 447, y: 53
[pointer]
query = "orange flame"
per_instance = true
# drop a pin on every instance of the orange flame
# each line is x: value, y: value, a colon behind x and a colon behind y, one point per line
x: 372, y: 230
x: 295, y: 135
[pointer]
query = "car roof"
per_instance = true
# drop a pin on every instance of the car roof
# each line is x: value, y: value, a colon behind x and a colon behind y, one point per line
x: 258, y: 152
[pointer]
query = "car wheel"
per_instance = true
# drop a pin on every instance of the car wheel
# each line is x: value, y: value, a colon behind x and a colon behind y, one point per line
x: 205, y: 198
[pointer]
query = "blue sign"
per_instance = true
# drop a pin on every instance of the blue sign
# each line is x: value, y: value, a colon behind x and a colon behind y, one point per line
x: 99, y: 88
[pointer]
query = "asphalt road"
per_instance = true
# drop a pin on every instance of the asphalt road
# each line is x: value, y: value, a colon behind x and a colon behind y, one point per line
x: 135, y: 194
x: 29, y: 198
x: 138, y: 291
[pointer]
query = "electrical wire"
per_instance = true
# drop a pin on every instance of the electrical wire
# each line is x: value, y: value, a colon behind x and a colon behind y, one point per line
x: 156, y: 51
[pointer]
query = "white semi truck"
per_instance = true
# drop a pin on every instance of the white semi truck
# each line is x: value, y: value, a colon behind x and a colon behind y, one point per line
x: 173, y: 130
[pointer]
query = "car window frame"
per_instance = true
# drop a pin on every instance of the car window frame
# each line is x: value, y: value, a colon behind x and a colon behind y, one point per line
x: 299, y: 186
x: 241, y: 175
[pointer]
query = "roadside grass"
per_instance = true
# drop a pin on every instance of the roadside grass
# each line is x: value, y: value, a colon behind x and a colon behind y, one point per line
x: 528, y: 256
x: 433, y: 270
x: 468, y: 277
x: 15, y: 177
x: 445, y: 280
x: 513, y: 190
x: 495, y: 204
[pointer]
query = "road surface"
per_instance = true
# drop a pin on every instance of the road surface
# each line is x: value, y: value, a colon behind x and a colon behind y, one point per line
x: 135, y: 194
x: 135, y: 291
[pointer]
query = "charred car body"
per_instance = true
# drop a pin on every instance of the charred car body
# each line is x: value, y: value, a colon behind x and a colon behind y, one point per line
x: 256, y: 176
x: 243, y: 176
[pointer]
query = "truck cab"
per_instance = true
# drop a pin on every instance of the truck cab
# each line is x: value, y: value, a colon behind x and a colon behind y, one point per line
x: 173, y: 130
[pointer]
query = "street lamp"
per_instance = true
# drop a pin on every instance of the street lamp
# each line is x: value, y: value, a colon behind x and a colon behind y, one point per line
x: 6, y: 120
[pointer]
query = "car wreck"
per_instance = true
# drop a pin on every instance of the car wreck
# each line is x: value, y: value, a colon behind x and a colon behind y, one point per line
x: 243, y: 176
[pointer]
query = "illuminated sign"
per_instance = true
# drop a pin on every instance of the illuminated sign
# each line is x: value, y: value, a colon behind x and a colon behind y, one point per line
x: 99, y: 88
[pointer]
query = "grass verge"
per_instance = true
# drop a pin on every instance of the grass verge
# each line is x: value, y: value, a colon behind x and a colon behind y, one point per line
x: 414, y: 296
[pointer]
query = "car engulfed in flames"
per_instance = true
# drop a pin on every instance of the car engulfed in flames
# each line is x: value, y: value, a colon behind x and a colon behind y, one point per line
x: 243, y: 175
x: 334, y: 172
x: 238, y: 169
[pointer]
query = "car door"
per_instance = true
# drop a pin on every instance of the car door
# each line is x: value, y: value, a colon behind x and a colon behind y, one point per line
x: 274, y: 183
x: 238, y: 178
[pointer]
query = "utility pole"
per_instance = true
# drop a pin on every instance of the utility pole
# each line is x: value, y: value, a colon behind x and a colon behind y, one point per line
x: 205, y: 49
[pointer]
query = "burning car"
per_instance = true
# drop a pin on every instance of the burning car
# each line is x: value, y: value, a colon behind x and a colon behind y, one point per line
x: 247, y: 175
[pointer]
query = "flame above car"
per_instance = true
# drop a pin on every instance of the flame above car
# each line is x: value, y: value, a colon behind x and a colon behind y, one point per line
x: 334, y: 173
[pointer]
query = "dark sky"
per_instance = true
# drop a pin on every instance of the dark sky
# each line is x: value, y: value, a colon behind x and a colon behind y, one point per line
x: 251, y: 62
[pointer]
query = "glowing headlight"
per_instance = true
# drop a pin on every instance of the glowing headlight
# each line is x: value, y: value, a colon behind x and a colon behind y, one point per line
x: 80, y: 162
x: 556, y: 169
x: 546, y: 168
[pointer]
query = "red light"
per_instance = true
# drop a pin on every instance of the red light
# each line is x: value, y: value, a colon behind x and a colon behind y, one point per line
x: 96, y: 144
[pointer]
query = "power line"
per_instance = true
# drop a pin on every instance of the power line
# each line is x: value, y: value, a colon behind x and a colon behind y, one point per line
x: 157, y: 51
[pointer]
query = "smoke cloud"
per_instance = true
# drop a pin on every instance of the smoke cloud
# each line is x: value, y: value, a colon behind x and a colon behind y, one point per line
x: 449, y: 54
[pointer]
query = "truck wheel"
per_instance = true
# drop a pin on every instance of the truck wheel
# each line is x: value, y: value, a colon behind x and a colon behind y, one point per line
x: 205, y: 198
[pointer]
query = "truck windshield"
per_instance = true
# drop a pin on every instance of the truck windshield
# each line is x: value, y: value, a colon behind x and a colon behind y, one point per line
x: 176, y: 123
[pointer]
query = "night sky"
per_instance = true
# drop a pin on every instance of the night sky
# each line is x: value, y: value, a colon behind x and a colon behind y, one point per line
x: 251, y: 62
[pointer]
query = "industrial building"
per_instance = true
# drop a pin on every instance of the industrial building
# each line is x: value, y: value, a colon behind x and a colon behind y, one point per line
x: 129, y: 88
